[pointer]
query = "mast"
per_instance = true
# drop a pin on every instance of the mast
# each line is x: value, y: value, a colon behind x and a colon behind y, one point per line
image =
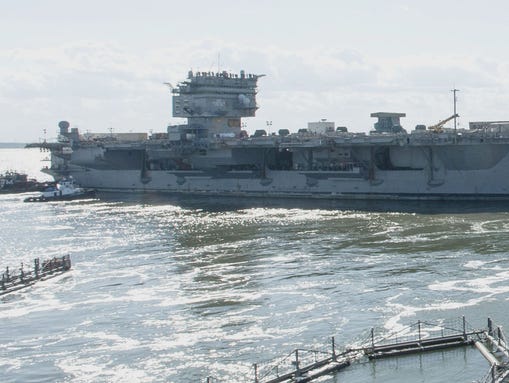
x: 455, y: 99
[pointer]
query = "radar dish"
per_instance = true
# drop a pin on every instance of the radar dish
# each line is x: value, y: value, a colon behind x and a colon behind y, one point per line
x: 63, y: 125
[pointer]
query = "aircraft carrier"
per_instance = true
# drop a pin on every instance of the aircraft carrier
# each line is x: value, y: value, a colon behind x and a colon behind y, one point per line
x: 212, y: 154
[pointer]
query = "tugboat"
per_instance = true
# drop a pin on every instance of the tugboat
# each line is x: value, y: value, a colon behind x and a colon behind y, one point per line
x: 64, y: 190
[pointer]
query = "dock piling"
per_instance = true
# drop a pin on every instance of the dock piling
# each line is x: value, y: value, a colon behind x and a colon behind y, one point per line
x: 297, y: 369
x: 36, y: 267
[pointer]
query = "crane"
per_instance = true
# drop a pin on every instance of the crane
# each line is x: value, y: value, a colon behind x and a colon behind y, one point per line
x: 437, y: 128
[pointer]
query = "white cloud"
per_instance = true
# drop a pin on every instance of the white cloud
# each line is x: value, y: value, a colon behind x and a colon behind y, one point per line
x: 102, y: 85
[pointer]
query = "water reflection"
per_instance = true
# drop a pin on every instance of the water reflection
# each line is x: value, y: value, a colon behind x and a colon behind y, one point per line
x: 229, y: 203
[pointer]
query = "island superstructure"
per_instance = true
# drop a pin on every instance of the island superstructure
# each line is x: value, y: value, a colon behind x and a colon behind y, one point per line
x: 212, y: 154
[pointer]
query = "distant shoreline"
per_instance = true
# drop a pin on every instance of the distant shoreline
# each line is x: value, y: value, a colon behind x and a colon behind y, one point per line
x: 12, y: 145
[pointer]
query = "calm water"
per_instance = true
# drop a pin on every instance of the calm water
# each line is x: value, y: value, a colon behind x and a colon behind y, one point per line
x: 167, y: 289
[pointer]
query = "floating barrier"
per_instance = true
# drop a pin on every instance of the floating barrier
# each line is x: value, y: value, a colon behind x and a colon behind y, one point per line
x: 50, y: 268
x: 303, y: 365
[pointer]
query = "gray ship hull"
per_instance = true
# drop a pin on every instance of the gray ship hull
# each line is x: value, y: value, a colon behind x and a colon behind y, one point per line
x: 408, y: 185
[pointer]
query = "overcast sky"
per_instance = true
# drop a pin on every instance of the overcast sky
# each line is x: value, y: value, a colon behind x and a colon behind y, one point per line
x: 101, y: 64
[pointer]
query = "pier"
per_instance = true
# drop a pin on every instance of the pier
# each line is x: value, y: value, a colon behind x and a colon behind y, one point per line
x: 14, y: 281
x: 306, y: 365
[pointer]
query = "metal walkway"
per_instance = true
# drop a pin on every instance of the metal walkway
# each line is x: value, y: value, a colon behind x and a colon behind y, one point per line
x: 50, y: 268
x: 302, y: 365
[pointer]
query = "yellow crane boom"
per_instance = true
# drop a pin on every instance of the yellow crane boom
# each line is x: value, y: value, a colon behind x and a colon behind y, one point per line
x: 438, y: 127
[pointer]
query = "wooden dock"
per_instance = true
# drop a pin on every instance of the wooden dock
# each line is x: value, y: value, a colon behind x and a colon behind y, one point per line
x: 304, y: 366
x: 41, y: 271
